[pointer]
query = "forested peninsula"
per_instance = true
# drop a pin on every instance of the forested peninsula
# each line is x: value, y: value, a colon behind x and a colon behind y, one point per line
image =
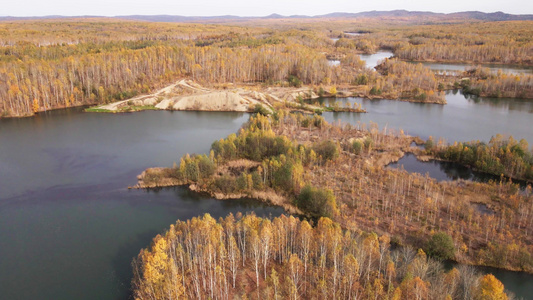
x: 317, y: 169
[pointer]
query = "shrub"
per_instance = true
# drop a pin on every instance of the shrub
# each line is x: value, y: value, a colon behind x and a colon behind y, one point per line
x: 327, y: 149
x: 375, y: 91
x: 257, y: 181
x: 224, y: 184
x: 294, y: 81
x: 305, y: 122
x: 241, y: 182
x: 317, y: 201
x: 260, y: 109
x: 422, y: 96
x: 368, y: 142
x: 282, y: 177
x: 206, y: 167
x: 357, y: 147
x: 362, y: 79
x: 191, y: 171
x: 318, y: 121
x: 441, y: 245
x: 429, y: 144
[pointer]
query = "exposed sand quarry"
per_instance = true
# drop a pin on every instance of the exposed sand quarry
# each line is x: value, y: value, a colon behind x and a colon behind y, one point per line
x: 188, y: 95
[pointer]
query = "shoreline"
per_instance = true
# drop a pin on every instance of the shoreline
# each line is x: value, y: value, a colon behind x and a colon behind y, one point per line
x: 471, y: 63
x: 268, y: 196
x: 428, y: 158
x: 240, y: 98
x: 423, y: 157
x: 251, y: 95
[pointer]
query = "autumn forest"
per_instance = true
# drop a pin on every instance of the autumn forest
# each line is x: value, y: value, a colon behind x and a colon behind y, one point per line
x: 72, y: 63
x: 352, y: 227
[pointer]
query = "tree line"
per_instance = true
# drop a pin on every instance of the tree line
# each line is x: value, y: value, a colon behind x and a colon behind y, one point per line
x: 287, y: 258
x: 109, y: 61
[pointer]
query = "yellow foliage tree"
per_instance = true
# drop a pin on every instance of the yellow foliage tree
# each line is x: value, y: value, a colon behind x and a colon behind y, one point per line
x: 35, y: 105
x: 490, y: 288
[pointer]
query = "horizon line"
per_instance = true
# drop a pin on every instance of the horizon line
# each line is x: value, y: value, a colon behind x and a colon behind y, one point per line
x: 258, y: 16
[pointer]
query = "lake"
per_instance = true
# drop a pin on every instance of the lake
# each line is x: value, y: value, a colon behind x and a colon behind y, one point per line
x: 69, y: 227
x: 464, y: 118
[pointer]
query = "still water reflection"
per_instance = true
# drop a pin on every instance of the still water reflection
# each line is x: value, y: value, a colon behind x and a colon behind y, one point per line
x: 69, y: 226
x: 463, y: 119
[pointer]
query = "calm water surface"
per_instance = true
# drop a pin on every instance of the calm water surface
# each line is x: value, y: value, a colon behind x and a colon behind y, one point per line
x: 462, y: 119
x: 372, y: 60
x: 69, y: 226
x: 446, y: 171
x: 442, y: 68
x: 441, y: 170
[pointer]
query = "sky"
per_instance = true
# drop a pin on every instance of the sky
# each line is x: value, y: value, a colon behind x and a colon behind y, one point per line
x: 249, y: 7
